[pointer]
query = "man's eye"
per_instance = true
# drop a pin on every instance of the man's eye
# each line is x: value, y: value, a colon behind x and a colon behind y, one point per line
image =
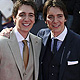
x: 60, y: 16
x: 50, y: 17
x: 22, y: 15
x: 31, y: 15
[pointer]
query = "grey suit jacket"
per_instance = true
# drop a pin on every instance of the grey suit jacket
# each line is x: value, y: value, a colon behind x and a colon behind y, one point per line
x: 10, y: 58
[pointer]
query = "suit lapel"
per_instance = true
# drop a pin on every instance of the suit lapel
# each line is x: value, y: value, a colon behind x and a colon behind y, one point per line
x: 43, y: 49
x: 45, y: 39
x: 35, y: 48
x: 14, y: 46
x: 65, y: 54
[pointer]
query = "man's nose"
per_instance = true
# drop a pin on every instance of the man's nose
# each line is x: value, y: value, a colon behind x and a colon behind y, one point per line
x: 55, y: 20
x: 27, y: 17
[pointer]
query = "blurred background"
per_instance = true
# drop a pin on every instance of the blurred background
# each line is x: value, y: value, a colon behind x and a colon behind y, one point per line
x: 72, y: 6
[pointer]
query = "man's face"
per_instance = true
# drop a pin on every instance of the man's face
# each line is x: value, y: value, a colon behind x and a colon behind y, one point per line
x: 25, y: 19
x: 55, y: 20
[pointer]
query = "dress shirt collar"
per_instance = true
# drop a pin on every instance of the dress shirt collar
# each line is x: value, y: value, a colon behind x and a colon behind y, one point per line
x: 19, y: 36
x: 62, y: 36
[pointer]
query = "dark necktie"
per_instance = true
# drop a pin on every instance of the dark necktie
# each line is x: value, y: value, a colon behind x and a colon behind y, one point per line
x: 55, y: 46
x: 25, y: 53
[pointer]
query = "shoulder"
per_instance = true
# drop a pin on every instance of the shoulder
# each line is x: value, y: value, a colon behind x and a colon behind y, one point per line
x: 34, y: 37
x: 3, y: 44
x: 46, y: 30
x: 3, y: 39
x: 73, y: 34
x: 43, y: 32
x: 75, y: 37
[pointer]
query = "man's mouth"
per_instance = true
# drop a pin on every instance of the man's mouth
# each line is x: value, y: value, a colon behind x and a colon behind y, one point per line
x: 26, y: 24
x: 56, y: 26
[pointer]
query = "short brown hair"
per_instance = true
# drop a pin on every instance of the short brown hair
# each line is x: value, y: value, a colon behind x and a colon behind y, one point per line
x: 19, y: 3
x: 52, y: 3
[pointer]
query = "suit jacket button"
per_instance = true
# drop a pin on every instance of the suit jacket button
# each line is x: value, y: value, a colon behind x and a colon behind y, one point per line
x: 41, y: 62
x: 24, y: 74
x: 53, y: 66
x: 52, y: 74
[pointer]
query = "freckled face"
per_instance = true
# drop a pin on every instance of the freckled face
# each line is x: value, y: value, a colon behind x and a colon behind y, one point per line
x: 25, y: 19
x: 55, y: 20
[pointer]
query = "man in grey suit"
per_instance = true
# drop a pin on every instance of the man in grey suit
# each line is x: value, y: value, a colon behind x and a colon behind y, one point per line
x: 11, y: 50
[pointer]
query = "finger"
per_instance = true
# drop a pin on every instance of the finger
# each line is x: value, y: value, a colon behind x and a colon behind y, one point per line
x: 1, y: 34
x: 11, y: 28
x: 7, y: 30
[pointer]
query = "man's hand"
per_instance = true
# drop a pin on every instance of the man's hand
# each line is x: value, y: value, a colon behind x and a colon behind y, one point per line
x: 6, y: 32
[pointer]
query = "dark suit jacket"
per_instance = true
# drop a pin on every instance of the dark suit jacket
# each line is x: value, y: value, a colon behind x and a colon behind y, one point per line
x: 70, y: 59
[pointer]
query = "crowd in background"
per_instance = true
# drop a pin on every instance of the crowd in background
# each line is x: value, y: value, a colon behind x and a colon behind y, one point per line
x: 73, y: 9
x: 52, y: 53
x: 73, y: 21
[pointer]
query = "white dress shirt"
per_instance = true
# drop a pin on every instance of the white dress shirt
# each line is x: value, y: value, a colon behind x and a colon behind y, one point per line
x: 19, y: 39
x: 60, y: 38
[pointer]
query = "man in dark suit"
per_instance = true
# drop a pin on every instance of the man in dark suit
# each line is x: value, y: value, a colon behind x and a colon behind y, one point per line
x: 64, y: 64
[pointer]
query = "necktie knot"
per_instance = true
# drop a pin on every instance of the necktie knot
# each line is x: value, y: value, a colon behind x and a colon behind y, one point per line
x: 55, y: 41
x: 25, y: 42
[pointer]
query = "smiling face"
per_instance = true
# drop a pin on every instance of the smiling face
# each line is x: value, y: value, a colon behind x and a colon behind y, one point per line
x: 55, y: 20
x: 24, y: 19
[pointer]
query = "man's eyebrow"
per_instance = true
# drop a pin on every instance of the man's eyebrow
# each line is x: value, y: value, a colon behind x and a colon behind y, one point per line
x: 22, y: 13
x: 60, y: 14
x: 31, y: 13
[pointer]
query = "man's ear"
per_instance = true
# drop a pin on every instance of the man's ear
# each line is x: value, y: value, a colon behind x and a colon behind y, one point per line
x: 14, y: 19
x: 65, y: 20
x: 45, y: 22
